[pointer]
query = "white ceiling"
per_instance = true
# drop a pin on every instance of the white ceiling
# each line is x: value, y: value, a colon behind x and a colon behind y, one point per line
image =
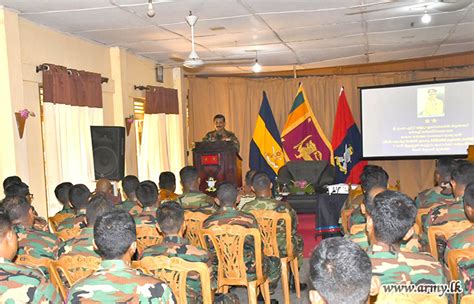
x: 301, y: 33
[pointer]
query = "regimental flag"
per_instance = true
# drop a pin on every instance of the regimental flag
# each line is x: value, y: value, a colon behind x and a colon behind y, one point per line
x: 347, y: 144
x: 265, y: 148
x: 302, y: 136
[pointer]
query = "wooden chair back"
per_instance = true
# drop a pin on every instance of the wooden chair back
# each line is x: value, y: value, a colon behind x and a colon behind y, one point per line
x: 447, y: 230
x: 228, y: 242
x: 147, y: 236
x: 470, y: 153
x: 70, y: 269
x: 174, y: 272
x: 194, y: 221
x: 55, y: 220
x: 454, y: 256
x: 67, y: 234
x: 28, y: 260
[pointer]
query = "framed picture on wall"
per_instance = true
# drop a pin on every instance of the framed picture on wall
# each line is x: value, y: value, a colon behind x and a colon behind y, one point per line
x: 159, y: 73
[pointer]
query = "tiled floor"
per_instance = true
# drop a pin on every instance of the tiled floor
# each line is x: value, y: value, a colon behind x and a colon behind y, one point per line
x: 278, y: 295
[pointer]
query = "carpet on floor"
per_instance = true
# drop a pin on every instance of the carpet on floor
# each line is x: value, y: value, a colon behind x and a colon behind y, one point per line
x: 306, y: 228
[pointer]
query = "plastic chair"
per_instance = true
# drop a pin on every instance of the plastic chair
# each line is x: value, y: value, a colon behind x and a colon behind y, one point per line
x: 454, y: 256
x: 28, y: 260
x: 268, y: 225
x: 54, y: 221
x: 345, y: 218
x: 467, y: 299
x: 357, y: 228
x: 67, y: 234
x: 71, y: 268
x: 174, y: 272
x: 447, y: 230
x: 194, y: 221
x: 421, y: 212
x: 228, y: 242
x: 147, y: 236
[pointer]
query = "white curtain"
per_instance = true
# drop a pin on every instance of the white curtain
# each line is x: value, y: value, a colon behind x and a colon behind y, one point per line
x: 162, y: 147
x: 68, y: 147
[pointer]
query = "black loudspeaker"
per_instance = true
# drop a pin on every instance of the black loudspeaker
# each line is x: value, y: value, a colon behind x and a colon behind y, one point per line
x: 108, y: 148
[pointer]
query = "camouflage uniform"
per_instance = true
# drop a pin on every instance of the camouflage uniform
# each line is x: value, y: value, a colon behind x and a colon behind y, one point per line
x: 66, y: 210
x: 356, y: 218
x: 441, y: 215
x: 195, y: 200
x: 21, y: 284
x: 77, y: 221
x: 36, y: 243
x: 272, y: 204
x: 244, y: 199
x: 225, y: 136
x: 404, y: 267
x: 462, y: 240
x: 412, y: 245
x: 176, y: 246
x: 231, y: 216
x: 131, y: 207
x: 115, y: 282
x: 146, y: 217
x: 83, y: 244
x: 166, y: 195
x: 41, y: 224
x: 466, y: 275
x: 432, y: 198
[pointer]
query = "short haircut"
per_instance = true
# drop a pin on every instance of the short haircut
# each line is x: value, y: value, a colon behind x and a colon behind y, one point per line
x: 62, y: 192
x: 444, y: 167
x: 261, y: 181
x: 79, y: 196
x: 369, y: 202
x: 129, y: 184
x: 469, y: 195
x: 373, y: 176
x: 98, y: 205
x: 393, y: 215
x: 17, y: 189
x: 170, y: 217
x: 114, y: 233
x: 17, y: 207
x: 463, y: 172
x: 5, y: 224
x: 10, y: 180
x: 227, y: 194
x: 167, y: 180
x: 147, y: 193
x: 188, y: 175
x: 341, y: 271
x: 249, y: 176
x: 219, y: 116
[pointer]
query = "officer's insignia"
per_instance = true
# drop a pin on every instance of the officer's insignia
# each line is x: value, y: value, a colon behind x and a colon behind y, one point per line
x: 211, y: 184
x: 343, y: 161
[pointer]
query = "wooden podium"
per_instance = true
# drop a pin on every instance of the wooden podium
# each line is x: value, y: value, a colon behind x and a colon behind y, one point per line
x: 218, y: 160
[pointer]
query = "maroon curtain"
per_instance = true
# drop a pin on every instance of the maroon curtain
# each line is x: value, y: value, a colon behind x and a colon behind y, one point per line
x: 72, y: 87
x: 161, y: 100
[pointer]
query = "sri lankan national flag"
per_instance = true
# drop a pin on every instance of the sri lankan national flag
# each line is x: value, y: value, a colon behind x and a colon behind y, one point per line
x: 302, y: 136
x: 265, y: 148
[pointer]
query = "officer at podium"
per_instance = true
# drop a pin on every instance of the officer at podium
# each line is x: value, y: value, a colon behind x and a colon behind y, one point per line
x: 220, y: 133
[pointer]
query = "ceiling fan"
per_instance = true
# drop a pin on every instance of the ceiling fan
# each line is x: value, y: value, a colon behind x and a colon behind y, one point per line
x: 438, y: 5
x: 195, y: 62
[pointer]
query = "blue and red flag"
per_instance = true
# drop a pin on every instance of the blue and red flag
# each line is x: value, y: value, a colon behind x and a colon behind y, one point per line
x: 347, y: 144
x: 265, y: 148
x: 302, y: 136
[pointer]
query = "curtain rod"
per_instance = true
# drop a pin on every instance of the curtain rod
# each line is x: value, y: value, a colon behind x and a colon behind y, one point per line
x: 45, y: 67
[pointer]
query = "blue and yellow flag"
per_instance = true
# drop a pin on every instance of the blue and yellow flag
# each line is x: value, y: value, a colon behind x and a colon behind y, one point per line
x: 265, y: 148
x: 302, y: 136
